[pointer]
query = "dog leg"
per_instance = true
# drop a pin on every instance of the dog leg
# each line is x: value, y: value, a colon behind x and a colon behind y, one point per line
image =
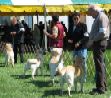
x: 12, y: 62
x: 37, y: 71
x: 33, y: 72
x: 52, y: 71
x: 75, y: 85
x: 41, y: 68
x: 6, y: 60
x: 6, y: 63
x: 81, y: 82
x: 81, y: 85
x: 61, y: 85
x: 25, y: 69
x: 69, y: 90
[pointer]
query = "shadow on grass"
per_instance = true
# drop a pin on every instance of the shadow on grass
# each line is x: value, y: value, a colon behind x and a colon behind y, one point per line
x: 41, y: 83
x: 57, y: 92
x: 21, y: 76
x: 26, y: 76
x: 2, y: 65
x: 51, y: 92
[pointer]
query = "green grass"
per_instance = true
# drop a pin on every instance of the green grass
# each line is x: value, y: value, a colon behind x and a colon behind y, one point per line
x: 13, y: 85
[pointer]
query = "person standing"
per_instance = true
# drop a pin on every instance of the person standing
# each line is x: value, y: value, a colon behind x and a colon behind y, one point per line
x: 36, y: 35
x: 56, y: 44
x: 78, y: 37
x: 41, y: 27
x: 17, y: 33
x: 98, y: 40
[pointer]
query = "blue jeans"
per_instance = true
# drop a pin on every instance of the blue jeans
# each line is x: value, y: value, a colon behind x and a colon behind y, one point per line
x: 82, y: 53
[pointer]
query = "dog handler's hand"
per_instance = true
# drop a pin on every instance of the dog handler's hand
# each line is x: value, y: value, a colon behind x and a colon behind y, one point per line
x: 13, y: 33
x: 90, y: 43
x: 70, y: 41
x: 45, y: 32
x: 77, y: 45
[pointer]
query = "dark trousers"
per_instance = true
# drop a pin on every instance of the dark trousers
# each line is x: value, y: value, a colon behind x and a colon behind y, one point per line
x: 99, y: 48
x: 18, y: 48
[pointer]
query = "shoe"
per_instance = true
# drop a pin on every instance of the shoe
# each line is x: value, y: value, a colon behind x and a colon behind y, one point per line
x: 106, y: 89
x: 15, y: 62
x: 96, y: 91
x: 101, y: 92
x: 93, y: 93
x: 22, y: 61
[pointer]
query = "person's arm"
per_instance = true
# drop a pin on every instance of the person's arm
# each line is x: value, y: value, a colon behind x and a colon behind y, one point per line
x: 54, y: 33
x: 86, y: 35
x: 85, y: 38
x: 103, y: 29
x: 69, y: 36
x: 21, y: 28
x: 12, y: 31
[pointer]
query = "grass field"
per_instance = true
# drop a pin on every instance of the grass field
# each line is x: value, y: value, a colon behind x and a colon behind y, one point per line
x: 13, y: 85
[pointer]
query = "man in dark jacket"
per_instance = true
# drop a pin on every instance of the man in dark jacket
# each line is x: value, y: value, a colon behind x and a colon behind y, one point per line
x: 17, y: 33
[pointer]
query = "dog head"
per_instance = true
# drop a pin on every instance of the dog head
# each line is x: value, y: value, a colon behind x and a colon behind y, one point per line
x: 8, y: 47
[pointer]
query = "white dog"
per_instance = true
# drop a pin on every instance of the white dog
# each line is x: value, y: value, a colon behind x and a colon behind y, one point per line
x: 71, y: 75
x: 9, y: 54
x: 34, y: 64
x: 56, y: 54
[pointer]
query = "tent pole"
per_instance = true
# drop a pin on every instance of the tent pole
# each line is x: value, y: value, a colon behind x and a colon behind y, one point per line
x: 45, y: 25
x: 32, y: 23
x: 37, y: 19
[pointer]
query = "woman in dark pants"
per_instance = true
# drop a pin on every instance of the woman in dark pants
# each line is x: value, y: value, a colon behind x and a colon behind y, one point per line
x: 17, y: 33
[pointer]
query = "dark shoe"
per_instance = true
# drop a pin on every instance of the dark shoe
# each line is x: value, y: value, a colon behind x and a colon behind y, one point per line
x: 101, y: 92
x: 15, y: 62
x: 22, y: 61
x: 93, y: 93
x: 96, y: 91
x: 106, y: 89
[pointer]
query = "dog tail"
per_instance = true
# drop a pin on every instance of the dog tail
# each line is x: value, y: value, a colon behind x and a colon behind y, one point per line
x: 78, y: 71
